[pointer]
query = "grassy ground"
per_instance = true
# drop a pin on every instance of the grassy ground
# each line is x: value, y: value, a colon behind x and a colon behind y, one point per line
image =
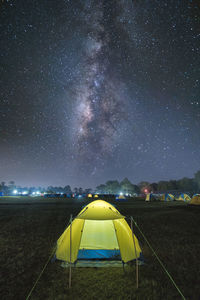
x: 30, y: 228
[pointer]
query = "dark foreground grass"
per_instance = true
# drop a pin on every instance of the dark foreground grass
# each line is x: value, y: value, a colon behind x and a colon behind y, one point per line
x: 29, y: 232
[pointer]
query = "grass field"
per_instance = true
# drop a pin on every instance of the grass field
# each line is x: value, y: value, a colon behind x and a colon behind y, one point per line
x: 31, y: 226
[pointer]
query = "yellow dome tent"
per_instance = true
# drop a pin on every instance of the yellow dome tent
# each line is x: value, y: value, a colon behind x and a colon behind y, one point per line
x: 148, y: 197
x: 167, y: 197
x: 96, y: 196
x: 98, y: 232
x: 195, y: 199
x: 184, y: 197
x: 121, y: 197
x: 151, y: 197
x: 89, y: 195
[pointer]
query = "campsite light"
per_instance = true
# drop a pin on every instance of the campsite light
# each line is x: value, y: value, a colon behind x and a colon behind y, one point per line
x: 146, y: 191
x: 38, y: 193
x: 24, y: 193
x: 121, y: 193
x: 15, y: 192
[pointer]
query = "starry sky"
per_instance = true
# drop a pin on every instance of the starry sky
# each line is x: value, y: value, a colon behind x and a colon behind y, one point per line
x: 98, y: 90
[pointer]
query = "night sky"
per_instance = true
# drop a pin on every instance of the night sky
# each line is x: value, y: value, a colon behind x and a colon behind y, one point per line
x: 98, y: 90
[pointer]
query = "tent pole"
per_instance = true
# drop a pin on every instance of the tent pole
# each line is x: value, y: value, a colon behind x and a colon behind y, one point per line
x: 123, y: 267
x: 136, y: 260
x: 70, y: 255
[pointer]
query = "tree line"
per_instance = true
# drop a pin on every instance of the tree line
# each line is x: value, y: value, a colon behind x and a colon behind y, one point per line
x: 190, y: 185
x: 11, y: 188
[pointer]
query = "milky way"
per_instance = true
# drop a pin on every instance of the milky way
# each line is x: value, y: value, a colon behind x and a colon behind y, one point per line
x: 99, y: 90
x: 99, y: 103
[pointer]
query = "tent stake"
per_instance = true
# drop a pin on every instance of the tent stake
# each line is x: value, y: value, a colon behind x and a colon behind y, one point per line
x: 70, y: 266
x: 136, y: 260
